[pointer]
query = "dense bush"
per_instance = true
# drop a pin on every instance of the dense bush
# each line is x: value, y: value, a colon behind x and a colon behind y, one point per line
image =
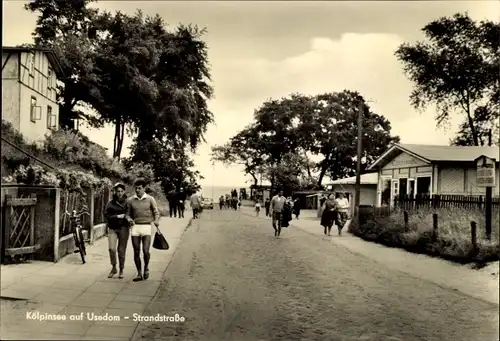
x: 452, y: 242
x: 75, y: 148
x: 80, y: 163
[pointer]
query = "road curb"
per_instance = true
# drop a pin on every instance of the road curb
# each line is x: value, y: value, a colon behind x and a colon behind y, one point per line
x: 188, y: 225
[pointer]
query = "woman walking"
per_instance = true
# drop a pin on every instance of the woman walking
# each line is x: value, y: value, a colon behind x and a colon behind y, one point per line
x: 118, y: 224
x: 328, y: 216
x: 342, y: 206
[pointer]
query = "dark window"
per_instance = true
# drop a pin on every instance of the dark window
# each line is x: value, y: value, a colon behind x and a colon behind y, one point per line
x: 33, y: 111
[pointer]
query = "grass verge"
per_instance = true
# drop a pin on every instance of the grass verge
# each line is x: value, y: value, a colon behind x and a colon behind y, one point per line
x: 452, y: 241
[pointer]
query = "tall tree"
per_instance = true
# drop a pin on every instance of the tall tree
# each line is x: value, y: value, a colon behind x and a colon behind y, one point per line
x: 151, y: 80
x: 303, y: 126
x: 330, y: 130
x: 457, y: 70
x: 130, y: 69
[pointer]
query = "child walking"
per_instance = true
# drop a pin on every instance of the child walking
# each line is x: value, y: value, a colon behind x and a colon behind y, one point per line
x: 257, y: 208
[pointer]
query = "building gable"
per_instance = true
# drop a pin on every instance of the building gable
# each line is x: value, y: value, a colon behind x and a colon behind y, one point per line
x: 405, y: 160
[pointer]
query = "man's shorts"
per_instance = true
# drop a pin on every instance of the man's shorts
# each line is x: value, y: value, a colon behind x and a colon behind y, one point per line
x: 276, y: 218
x: 140, y: 230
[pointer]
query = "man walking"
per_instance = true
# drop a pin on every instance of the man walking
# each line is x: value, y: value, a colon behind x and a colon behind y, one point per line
x: 142, y: 209
x: 181, y: 202
x: 172, y: 203
x: 277, y: 204
x: 267, y: 205
x: 195, y: 204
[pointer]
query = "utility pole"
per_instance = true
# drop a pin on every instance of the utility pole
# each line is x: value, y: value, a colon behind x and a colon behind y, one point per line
x: 489, y: 200
x: 213, y: 179
x: 358, y: 160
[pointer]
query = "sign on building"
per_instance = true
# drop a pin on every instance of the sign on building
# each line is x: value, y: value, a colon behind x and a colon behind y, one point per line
x: 485, y: 172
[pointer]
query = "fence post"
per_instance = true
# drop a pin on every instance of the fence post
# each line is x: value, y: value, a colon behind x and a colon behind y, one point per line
x: 473, y: 233
x: 91, y: 194
x: 8, y: 216
x: 57, y: 222
x: 435, y: 226
x: 405, y: 215
x: 32, y: 225
x: 435, y: 201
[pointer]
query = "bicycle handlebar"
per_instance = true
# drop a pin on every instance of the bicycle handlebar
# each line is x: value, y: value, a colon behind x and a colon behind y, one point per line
x: 77, y: 215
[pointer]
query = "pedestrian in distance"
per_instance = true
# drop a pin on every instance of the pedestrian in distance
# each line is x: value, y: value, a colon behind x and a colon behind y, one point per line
x: 257, y: 208
x: 296, y: 208
x: 118, y: 228
x: 328, y: 216
x: 267, y: 205
x: 172, y: 203
x: 181, y: 203
x: 276, y: 208
x: 142, y: 208
x: 342, y: 206
x: 286, y: 215
x: 195, y: 203
x: 221, y: 202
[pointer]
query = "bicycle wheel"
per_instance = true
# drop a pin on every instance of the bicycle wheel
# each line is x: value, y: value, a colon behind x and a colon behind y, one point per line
x: 80, y: 245
x: 83, y: 242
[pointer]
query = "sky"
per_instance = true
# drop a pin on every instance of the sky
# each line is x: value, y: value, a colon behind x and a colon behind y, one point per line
x: 261, y: 50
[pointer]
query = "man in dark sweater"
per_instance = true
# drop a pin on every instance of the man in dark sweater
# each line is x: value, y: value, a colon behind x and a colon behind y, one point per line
x: 172, y: 203
x: 142, y: 208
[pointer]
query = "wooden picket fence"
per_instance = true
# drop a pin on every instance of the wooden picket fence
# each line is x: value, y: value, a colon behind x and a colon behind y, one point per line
x: 468, y: 202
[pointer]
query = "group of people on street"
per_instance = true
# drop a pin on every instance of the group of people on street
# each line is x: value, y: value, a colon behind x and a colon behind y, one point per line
x: 230, y: 201
x: 176, y: 202
x: 334, y: 211
x: 295, y: 206
x: 134, y: 216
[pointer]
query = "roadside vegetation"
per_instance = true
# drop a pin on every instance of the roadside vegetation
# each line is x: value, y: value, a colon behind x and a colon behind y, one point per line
x: 452, y: 241
x: 73, y: 163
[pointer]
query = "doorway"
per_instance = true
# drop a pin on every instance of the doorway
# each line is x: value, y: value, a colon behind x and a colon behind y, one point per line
x: 411, y: 188
x: 394, y: 191
x: 403, y: 187
x: 385, y: 193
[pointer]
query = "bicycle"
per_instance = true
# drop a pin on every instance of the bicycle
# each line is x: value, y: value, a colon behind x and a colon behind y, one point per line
x: 76, y: 227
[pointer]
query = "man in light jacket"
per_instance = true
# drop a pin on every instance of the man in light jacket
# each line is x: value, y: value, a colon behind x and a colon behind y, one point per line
x: 195, y: 203
x: 277, y: 204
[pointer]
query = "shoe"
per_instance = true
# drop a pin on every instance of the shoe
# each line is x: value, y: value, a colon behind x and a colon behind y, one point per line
x: 138, y: 278
x: 120, y: 275
x: 146, y: 274
x: 112, y: 273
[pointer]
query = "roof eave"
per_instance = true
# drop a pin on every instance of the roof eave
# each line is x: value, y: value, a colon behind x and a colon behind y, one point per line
x: 51, y: 55
x: 390, y: 150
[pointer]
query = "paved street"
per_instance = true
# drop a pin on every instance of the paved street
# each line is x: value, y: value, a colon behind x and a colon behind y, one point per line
x: 231, y: 279
x: 69, y: 288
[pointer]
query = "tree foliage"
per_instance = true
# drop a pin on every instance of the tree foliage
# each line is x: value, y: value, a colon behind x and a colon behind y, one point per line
x: 135, y: 74
x: 287, y: 132
x: 130, y: 69
x: 172, y: 166
x: 457, y: 70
